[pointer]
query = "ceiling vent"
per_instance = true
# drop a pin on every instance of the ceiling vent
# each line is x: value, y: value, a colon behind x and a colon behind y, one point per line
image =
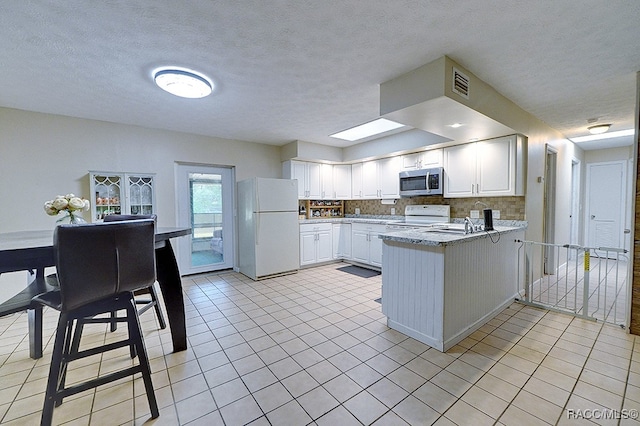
x: 460, y: 83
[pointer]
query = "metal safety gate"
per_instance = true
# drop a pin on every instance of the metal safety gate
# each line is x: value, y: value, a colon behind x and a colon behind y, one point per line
x: 587, y: 282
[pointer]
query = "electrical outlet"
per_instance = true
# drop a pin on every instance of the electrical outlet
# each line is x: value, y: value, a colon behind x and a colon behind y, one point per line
x: 475, y: 214
x: 393, y: 210
x: 357, y: 210
x: 495, y: 214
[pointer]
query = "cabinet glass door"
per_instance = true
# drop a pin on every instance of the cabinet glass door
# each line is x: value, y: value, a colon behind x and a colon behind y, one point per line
x: 140, y: 194
x: 107, y: 199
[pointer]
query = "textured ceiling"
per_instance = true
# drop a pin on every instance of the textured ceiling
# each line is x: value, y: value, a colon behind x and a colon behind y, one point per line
x: 301, y: 70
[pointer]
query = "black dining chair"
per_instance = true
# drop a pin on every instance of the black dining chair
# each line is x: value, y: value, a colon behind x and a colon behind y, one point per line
x: 98, y: 266
x: 152, y: 300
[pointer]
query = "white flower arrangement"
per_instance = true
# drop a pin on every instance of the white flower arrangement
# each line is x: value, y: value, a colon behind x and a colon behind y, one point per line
x: 69, y: 204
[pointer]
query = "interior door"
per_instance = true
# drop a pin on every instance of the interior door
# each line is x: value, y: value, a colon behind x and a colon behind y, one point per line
x: 605, y: 204
x: 205, y: 204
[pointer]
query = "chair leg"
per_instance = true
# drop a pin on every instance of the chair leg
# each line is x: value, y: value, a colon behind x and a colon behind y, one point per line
x: 114, y: 325
x: 159, y: 314
x: 136, y: 335
x: 55, y: 370
x: 71, y: 346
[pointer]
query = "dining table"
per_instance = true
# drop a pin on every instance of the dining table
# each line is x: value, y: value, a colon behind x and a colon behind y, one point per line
x: 32, y: 251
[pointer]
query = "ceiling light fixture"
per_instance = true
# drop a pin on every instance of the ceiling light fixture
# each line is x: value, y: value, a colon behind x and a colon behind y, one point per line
x: 455, y: 125
x: 620, y: 133
x: 598, y: 129
x: 183, y: 82
x: 372, y: 128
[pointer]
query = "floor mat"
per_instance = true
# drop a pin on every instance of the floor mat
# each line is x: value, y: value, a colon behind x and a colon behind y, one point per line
x: 361, y: 272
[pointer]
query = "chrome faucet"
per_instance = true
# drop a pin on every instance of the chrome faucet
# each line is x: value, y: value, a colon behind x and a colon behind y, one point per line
x: 468, y: 225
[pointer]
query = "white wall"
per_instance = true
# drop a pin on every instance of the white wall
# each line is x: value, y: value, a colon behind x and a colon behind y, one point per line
x: 43, y: 155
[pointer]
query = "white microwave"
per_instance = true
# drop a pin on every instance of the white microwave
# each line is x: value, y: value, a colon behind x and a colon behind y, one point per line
x: 421, y: 182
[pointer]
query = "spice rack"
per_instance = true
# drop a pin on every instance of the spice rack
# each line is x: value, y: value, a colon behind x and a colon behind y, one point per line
x: 317, y: 209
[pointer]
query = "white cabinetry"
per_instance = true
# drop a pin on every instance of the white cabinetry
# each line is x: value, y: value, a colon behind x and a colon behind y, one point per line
x: 422, y: 159
x: 376, y: 179
x: 490, y: 168
x: 121, y: 193
x: 308, y: 176
x: 342, y: 181
x: 315, y: 243
x: 342, y: 241
x: 315, y: 180
x: 366, y: 247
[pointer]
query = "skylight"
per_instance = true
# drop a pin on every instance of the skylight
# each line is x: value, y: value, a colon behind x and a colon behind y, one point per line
x: 372, y: 128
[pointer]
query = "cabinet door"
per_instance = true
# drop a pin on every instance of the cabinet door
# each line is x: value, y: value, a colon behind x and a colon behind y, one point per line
x: 356, y: 181
x: 345, y: 240
x: 307, y: 248
x: 412, y: 161
x: 140, y: 194
x: 389, y: 182
x: 314, y: 180
x: 298, y: 171
x: 342, y: 181
x: 432, y: 158
x: 109, y: 195
x: 496, y: 167
x: 328, y: 186
x: 324, y: 246
x: 375, y: 249
x: 370, y: 187
x: 460, y: 170
x: 337, y: 240
x: 360, y: 246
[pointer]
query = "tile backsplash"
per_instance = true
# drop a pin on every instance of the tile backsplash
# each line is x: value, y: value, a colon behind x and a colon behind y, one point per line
x: 511, y: 208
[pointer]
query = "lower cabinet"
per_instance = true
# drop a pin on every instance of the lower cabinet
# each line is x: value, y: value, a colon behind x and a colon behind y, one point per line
x: 366, y: 247
x: 315, y: 243
x: 342, y: 241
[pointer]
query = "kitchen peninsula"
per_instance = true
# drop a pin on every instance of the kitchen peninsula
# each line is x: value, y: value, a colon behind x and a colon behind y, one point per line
x: 439, y: 286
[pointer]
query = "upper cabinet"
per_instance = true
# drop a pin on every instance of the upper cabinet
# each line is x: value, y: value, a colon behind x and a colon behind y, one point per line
x: 376, y: 179
x: 422, y: 160
x: 490, y: 168
x: 342, y: 181
x: 121, y: 193
x: 316, y: 181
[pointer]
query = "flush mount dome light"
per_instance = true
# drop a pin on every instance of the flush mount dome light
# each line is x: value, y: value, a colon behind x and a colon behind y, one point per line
x: 598, y: 129
x: 183, y: 82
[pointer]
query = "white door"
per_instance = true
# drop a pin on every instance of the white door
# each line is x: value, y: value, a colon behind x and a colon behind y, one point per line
x: 496, y: 166
x: 276, y: 195
x: 356, y: 181
x: 360, y: 246
x: 606, y: 198
x: 314, y: 178
x: 370, y: 185
x: 307, y: 248
x: 205, y: 204
x: 460, y: 170
x: 299, y: 172
x: 342, y: 181
x: 389, y: 181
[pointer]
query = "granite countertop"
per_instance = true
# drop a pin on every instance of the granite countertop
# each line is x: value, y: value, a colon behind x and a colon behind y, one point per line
x: 426, y: 237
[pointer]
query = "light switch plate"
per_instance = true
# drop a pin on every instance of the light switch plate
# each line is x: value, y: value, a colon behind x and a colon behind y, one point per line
x: 495, y: 214
x: 475, y: 214
x: 393, y: 210
x: 357, y: 210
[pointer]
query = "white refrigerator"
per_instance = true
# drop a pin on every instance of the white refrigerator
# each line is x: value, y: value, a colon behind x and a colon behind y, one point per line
x: 268, y: 229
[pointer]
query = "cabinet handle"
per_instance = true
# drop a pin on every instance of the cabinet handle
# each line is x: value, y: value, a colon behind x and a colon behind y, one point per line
x: 472, y: 188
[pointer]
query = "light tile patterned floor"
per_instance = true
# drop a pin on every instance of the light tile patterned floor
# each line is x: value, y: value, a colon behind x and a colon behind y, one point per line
x: 313, y: 348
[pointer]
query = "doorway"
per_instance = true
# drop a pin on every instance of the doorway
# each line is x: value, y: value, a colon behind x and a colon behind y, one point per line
x: 574, y: 218
x: 549, y: 224
x: 205, y: 204
x: 606, y: 201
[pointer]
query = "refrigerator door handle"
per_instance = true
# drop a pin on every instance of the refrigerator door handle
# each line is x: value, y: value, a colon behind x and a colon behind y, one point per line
x: 256, y: 229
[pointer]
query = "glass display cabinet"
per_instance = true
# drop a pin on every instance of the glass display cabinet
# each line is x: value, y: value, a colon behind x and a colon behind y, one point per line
x: 121, y: 193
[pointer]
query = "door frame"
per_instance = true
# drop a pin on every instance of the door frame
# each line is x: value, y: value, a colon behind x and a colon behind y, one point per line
x: 229, y: 214
x: 549, y: 216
